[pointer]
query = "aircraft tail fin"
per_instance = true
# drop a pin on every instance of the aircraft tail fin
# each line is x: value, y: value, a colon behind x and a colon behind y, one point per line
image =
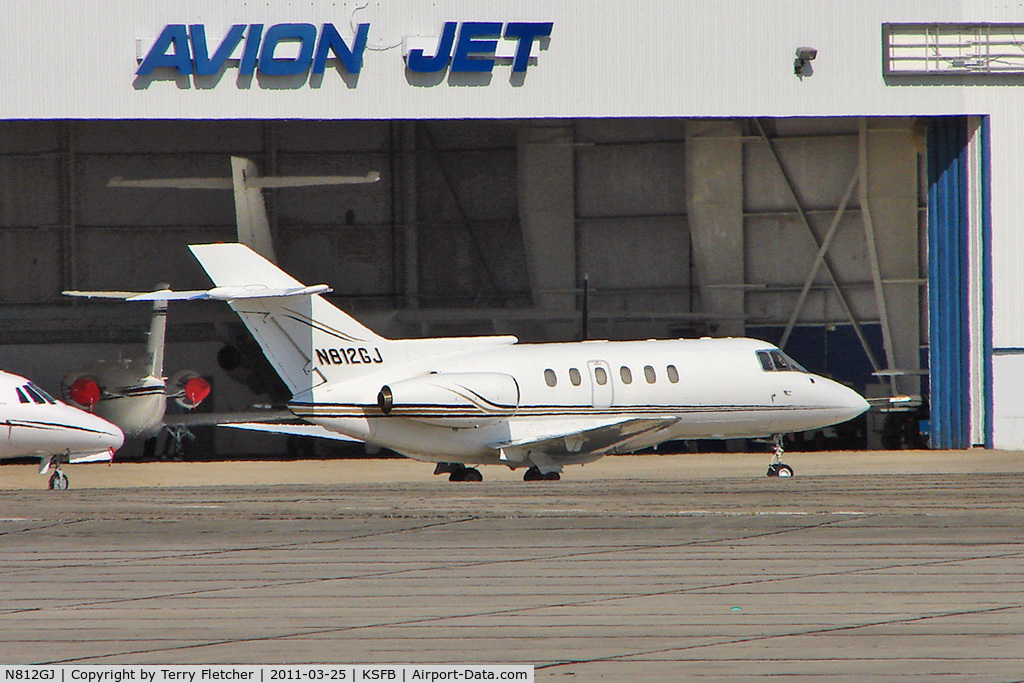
x: 298, y: 330
x: 157, y: 337
x: 251, y: 220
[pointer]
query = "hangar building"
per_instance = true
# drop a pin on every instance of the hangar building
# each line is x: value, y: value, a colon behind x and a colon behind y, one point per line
x: 838, y: 177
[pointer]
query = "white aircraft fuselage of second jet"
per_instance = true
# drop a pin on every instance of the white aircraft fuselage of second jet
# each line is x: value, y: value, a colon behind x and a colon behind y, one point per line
x: 33, y: 424
x: 490, y: 400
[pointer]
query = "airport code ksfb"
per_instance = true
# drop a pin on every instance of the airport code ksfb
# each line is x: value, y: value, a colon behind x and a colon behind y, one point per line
x: 324, y: 673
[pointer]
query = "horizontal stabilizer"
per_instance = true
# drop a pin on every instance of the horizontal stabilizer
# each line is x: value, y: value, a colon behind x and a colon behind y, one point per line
x: 101, y: 295
x: 254, y: 182
x: 232, y: 293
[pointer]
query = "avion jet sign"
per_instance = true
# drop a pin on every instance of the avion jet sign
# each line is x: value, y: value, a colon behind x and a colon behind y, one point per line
x: 302, y: 49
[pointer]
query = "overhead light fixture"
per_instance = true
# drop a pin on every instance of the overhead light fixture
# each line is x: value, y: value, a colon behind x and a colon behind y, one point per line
x: 802, y: 63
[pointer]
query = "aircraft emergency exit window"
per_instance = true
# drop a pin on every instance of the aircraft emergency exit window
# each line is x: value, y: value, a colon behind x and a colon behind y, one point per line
x: 600, y: 376
x: 626, y: 375
x: 673, y: 374
x: 574, y: 377
x: 649, y: 374
x: 766, y: 361
x: 22, y: 398
x: 550, y: 378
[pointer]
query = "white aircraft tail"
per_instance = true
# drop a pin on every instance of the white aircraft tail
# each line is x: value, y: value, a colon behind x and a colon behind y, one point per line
x: 157, y: 338
x: 308, y: 341
x: 251, y: 221
x: 305, y: 338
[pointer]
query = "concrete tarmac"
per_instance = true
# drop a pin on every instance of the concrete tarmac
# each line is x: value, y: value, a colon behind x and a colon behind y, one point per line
x: 865, y: 566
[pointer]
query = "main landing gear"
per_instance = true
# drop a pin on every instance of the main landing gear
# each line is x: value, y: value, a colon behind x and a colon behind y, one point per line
x: 534, y: 474
x: 777, y: 468
x: 458, y: 472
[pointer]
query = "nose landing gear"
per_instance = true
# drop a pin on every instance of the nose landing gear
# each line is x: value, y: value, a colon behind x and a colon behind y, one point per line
x: 777, y: 468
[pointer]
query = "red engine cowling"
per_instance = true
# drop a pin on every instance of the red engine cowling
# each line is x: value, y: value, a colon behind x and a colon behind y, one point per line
x: 83, y: 391
x: 188, y: 389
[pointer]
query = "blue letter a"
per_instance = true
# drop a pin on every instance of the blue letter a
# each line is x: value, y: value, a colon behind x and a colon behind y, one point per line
x: 173, y: 34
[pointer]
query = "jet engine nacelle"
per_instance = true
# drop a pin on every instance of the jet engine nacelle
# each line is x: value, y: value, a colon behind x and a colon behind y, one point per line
x: 81, y: 390
x: 188, y: 389
x: 452, y: 399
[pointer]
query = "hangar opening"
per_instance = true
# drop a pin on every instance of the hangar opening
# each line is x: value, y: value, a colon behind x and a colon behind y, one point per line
x: 857, y: 244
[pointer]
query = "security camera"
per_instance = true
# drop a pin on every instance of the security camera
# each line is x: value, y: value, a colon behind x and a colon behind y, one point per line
x: 806, y: 53
x: 802, y: 63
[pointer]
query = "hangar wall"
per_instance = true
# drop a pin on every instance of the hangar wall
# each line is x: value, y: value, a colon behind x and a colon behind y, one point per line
x: 658, y: 65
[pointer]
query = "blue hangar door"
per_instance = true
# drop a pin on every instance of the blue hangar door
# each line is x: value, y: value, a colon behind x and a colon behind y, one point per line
x: 960, y: 346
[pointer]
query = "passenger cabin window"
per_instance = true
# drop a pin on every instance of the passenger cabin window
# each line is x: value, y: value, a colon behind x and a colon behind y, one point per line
x: 649, y: 374
x: 550, y: 378
x: 22, y: 398
x: 574, y: 377
x: 673, y: 374
x: 626, y: 375
x: 600, y: 376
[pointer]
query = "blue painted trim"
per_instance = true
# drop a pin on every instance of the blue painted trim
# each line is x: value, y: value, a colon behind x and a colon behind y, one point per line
x: 948, y: 305
x: 986, y: 266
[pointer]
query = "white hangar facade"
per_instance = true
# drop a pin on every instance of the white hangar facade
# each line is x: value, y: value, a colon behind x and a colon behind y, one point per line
x: 842, y: 178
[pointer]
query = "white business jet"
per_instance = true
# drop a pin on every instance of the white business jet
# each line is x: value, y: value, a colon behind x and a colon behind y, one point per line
x: 133, y: 392
x: 469, y: 401
x: 33, y: 424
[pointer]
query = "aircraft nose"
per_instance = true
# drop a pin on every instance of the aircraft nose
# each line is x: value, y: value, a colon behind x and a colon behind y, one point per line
x: 849, y: 402
x: 106, y: 434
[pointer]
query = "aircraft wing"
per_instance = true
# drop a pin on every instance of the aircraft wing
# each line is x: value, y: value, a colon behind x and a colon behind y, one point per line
x: 213, y: 419
x: 303, y: 429
x: 568, y: 441
x: 101, y: 456
x: 270, y: 421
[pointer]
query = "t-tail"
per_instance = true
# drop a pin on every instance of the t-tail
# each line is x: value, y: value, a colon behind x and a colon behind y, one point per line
x: 309, y: 341
x: 300, y: 332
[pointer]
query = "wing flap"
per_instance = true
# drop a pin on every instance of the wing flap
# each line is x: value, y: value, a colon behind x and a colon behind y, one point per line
x: 595, y: 439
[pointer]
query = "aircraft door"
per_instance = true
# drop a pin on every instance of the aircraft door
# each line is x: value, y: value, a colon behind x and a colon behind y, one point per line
x: 600, y: 383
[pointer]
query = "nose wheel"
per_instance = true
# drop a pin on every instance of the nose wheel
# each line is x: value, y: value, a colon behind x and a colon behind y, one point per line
x: 777, y: 468
x: 58, y: 480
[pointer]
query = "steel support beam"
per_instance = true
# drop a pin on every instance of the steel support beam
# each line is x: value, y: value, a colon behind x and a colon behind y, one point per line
x: 714, y: 206
x: 547, y: 217
x: 826, y: 259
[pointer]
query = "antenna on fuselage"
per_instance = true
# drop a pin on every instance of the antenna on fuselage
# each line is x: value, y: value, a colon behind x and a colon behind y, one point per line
x: 585, y: 309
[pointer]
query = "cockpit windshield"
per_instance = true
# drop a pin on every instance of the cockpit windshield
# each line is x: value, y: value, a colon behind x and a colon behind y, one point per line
x: 773, y: 360
x: 37, y: 394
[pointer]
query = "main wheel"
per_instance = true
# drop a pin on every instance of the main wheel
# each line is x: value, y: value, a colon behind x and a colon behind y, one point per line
x: 465, y: 474
x: 534, y: 474
x: 780, y: 470
x: 58, y: 480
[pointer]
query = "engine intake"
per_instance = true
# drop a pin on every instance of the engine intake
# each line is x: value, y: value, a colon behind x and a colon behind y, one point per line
x: 188, y: 389
x: 452, y: 399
